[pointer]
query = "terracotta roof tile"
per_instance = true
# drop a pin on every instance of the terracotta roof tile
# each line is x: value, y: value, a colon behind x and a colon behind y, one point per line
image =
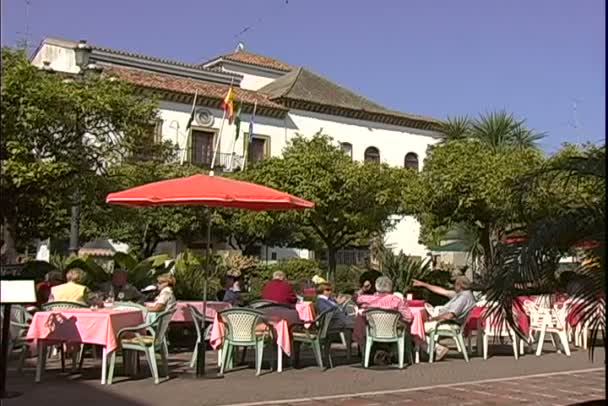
x: 257, y: 60
x: 185, y: 85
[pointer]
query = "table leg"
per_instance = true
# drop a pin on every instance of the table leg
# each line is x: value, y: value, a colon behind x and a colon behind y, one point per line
x: 104, y: 364
x: 42, y: 351
x: 279, y: 359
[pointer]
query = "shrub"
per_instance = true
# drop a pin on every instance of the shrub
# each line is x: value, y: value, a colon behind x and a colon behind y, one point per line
x: 189, y: 274
x: 402, y: 269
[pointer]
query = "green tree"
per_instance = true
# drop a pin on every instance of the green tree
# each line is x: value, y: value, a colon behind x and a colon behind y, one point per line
x: 577, y: 175
x: 464, y: 181
x: 496, y: 130
x: 354, y: 201
x: 44, y: 155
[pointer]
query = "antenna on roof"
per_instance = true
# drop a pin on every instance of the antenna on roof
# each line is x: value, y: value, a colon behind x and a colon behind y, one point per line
x: 24, y: 42
x: 576, y: 124
x: 240, y: 47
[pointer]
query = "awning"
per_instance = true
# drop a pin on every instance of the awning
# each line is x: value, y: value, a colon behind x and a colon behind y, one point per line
x: 456, y: 246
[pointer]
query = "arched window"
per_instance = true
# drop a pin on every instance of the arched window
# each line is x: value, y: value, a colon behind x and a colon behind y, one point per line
x: 411, y: 161
x: 347, y: 148
x: 372, y: 154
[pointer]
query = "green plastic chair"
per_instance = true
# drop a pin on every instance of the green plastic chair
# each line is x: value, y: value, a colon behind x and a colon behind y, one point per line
x: 149, y: 344
x: 130, y: 306
x: 316, y: 336
x: 63, y: 305
x: 448, y: 328
x: 385, y: 326
x: 199, y: 324
x: 241, y: 331
x: 19, y: 325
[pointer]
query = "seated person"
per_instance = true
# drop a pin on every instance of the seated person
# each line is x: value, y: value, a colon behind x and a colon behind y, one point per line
x: 43, y: 289
x: 384, y: 299
x: 232, y: 294
x: 279, y: 290
x: 367, y: 281
x: 71, y: 291
x: 325, y: 301
x: 165, y: 299
x: 118, y: 289
x: 456, y: 309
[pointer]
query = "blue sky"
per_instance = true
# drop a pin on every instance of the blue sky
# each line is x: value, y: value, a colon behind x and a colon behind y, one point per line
x: 438, y: 58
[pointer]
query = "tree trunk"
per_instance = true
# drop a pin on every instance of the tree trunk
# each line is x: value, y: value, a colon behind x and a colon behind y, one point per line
x: 488, y: 249
x: 9, y: 248
x: 331, y: 263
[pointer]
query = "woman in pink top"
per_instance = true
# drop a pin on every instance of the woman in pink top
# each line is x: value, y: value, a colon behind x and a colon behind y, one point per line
x: 384, y: 299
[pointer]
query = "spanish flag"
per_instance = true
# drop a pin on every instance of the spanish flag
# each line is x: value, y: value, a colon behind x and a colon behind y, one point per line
x: 228, y: 105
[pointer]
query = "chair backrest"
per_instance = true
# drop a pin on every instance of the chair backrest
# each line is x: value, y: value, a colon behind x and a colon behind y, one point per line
x: 20, y: 319
x: 241, y: 323
x: 63, y: 305
x: 20, y: 314
x: 349, y: 307
x: 323, y: 321
x: 161, y: 324
x: 539, y: 315
x: 197, y: 318
x: 493, y: 322
x: 263, y: 303
x: 382, y: 323
x: 130, y: 306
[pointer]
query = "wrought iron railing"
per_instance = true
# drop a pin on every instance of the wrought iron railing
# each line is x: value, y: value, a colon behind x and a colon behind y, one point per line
x: 224, y: 161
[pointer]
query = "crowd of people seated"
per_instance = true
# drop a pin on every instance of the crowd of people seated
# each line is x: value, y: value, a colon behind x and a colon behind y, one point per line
x: 54, y: 289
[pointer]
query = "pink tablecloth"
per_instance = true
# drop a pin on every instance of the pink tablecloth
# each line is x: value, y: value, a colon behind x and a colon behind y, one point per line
x: 475, y: 319
x: 83, y: 325
x: 420, y: 316
x: 182, y: 314
x: 306, y: 311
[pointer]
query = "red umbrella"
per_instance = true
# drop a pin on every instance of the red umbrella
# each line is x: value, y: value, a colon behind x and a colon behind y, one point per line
x: 204, y: 190
x: 211, y: 191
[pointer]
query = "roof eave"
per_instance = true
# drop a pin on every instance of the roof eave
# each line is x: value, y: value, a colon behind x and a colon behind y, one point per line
x: 360, y: 114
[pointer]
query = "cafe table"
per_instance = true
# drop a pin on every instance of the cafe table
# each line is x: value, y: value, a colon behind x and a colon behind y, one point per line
x: 80, y: 326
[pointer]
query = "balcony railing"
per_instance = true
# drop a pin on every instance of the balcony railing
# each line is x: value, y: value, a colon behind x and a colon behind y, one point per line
x: 224, y: 161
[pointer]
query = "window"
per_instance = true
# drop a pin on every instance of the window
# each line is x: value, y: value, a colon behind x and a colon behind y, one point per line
x: 202, y: 147
x: 372, y: 154
x: 348, y: 149
x: 273, y: 256
x: 146, y: 147
x: 411, y: 161
x: 157, y: 131
x: 258, y: 148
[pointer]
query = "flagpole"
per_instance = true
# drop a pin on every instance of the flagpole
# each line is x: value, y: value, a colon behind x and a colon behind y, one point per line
x: 246, y: 149
x: 217, y: 142
x: 219, y: 137
x: 231, y: 154
x: 188, y: 126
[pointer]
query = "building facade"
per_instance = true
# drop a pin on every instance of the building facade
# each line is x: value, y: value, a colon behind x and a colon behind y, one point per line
x: 288, y: 100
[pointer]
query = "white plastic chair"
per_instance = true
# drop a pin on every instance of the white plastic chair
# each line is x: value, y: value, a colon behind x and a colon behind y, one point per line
x: 496, y: 326
x: 548, y: 320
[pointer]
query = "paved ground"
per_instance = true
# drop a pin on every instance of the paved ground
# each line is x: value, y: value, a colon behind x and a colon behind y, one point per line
x: 552, y: 379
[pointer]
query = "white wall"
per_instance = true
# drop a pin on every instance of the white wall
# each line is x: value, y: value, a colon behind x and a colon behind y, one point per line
x: 253, y: 79
x: 393, y: 142
x: 61, y: 59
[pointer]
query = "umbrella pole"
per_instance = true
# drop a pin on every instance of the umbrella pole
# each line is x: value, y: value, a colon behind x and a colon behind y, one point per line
x: 200, y: 364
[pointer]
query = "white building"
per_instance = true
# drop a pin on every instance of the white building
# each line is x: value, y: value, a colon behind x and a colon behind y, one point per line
x: 289, y: 100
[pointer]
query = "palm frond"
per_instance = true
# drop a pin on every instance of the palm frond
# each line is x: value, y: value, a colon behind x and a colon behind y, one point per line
x: 456, y: 128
